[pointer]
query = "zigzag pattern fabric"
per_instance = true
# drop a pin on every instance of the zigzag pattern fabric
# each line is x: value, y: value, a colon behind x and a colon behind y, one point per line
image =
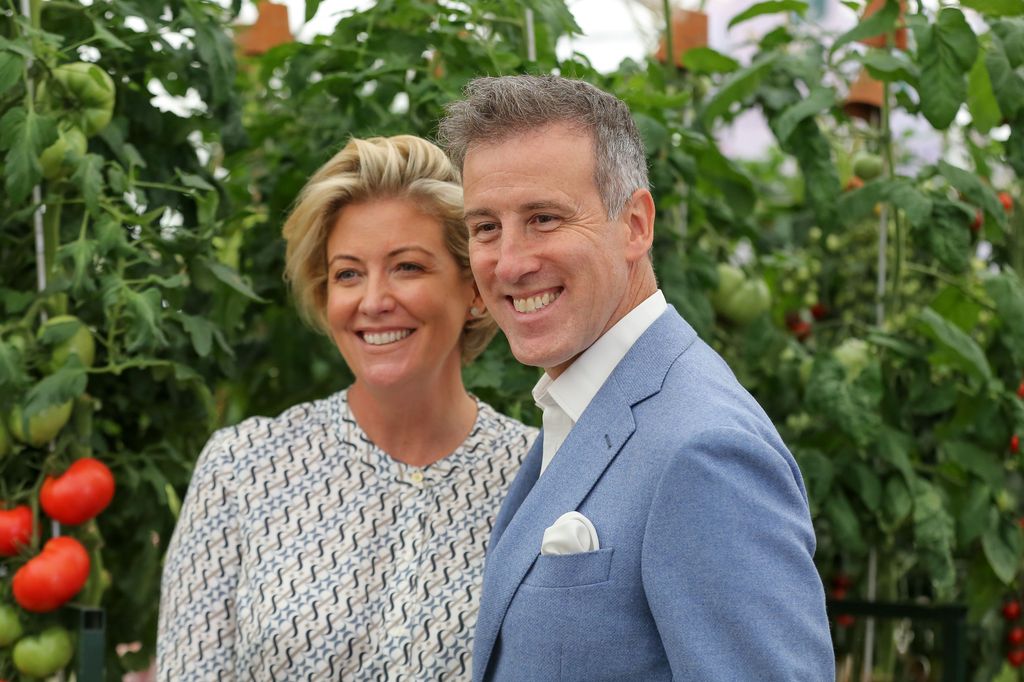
x: 304, y: 552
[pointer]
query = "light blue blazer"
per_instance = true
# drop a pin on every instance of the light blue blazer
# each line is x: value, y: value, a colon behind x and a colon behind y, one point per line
x: 705, y: 567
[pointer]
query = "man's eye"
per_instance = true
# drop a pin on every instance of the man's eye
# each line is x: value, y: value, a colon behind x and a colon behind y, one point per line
x: 545, y: 219
x: 484, y: 229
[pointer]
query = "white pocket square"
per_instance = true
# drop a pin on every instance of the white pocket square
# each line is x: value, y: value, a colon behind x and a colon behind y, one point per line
x: 572, y: 533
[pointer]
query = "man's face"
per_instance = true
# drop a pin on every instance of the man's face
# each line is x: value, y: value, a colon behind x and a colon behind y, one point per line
x: 551, y: 267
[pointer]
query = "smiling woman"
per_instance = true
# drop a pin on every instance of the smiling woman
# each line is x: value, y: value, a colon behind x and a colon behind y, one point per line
x: 345, y: 538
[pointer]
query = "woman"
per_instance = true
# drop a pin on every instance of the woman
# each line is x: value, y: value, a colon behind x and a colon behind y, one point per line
x: 345, y: 538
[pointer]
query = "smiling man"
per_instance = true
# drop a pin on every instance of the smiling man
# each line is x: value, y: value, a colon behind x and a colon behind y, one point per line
x: 659, y: 528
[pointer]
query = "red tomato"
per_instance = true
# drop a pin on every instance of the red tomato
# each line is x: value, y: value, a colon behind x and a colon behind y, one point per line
x: 845, y: 620
x: 819, y: 311
x: 841, y: 581
x: 1016, y: 657
x: 1011, y: 610
x: 839, y: 593
x: 979, y: 220
x: 801, y: 330
x: 1015, y: 636
x: 1015, y: 444
x: 1020, y: 389
x: 52, y: 577
x: 1007, y: 201
x: 15, y: 529
x: 79, y: 494
x: 854, y: 183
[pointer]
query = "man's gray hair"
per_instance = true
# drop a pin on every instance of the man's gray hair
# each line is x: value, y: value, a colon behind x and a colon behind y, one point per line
x: 495, y: 109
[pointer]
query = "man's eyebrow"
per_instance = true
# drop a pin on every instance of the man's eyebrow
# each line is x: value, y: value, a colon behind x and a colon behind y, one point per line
x: 523, y: 208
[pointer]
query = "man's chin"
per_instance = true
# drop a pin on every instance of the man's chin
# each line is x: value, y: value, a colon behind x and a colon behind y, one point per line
x: 532, y: 356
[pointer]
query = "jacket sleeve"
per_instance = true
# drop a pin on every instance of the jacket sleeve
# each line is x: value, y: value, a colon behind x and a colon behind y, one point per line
x: 727, y: 564
x: 196, y: 632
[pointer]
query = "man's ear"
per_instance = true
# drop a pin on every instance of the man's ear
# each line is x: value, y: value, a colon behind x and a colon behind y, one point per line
x: 638, y: 215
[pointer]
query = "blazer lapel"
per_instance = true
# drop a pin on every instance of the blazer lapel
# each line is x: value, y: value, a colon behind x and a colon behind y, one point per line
x: 591, y: 446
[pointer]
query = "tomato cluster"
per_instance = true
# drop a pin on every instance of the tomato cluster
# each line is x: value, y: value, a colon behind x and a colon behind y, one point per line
x: 1015, y: 634
x: 841, y: 583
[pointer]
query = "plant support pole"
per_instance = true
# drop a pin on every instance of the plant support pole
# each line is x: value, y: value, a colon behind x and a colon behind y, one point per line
x: 531, y: 40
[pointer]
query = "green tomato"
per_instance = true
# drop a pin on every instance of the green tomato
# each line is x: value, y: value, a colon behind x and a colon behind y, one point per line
x: 54, y: 158
x: 854, y: 355
x: 44, y: 654
x: 86, y: 89
x: 80, y: 343
x: 747, y: 302
x: 729, y: 279
x: 10, y: 625
x: 867, y: 166
x: 43, y: 427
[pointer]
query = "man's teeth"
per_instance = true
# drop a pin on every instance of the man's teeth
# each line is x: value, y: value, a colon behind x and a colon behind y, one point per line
x: 532, y: 304
x: 385, y: 337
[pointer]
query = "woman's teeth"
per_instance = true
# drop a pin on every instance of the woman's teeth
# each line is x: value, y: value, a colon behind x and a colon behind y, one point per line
x: 532, y: 304
x: 381, y: 339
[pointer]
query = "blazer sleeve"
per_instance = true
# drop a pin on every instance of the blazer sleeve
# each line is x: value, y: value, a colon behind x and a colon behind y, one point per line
x: 196, y: 632
x: 727, y: 564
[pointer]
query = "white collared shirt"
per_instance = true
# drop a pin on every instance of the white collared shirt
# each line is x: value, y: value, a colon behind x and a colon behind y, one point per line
x: 564, y: 399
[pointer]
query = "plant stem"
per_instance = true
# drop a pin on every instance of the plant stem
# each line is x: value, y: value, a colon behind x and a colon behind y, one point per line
x: 670, y: 60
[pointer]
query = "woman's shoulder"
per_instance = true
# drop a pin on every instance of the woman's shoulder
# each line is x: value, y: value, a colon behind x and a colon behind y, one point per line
x: 312, y: 420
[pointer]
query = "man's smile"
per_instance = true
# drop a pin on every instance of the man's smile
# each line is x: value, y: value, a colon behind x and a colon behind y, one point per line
x: 536, y: 302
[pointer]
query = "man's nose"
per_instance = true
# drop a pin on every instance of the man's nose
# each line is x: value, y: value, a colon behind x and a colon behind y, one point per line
x: 378, y: 296
x: 516, y: 257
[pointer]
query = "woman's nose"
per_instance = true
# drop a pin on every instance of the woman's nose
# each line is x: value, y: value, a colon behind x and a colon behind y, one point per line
x: 377, y: 296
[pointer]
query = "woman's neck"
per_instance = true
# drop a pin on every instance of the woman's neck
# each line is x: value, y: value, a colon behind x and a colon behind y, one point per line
x: 416, y: 427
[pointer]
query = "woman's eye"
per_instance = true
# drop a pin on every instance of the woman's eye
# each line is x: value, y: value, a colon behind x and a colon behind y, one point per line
x: 345, y: 275
x: 410, y: 267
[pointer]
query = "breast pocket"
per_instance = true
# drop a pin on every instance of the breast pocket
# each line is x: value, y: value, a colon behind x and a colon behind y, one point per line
x: 570, y: 570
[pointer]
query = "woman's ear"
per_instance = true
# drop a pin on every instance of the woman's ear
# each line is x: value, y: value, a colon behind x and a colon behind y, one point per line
x: 476, y: 305
x: 638, y: 215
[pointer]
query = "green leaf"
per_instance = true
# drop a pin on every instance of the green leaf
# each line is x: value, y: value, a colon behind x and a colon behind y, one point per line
x: 311, y: 7
x: 143, y: 310
x: 1002, y: 547
x: 853, y: 407
x: 975, y: 191
x: 769, y: 7
x: 973, y: 514
x: 984, y: 464
x: 215, y: 51
x: 1007, y: 291
x: 24, y: 135
x: 818, y: 472
x: 1011, y: 36
x: 947, y: 235
x: 653, y: 132
x: 1007, y: 84
x: 981, y: 100
x: 200, y: 330
x: 12, y: 68
x: 934, y: 537
x: 813, y: 154
x: 946, y: 52
x: 995, y: 8
x: 845, y: 525
x: 866, y: 484
x: 896, y: 502
x: 101, y: 34
x: 12, y: 372
x: 740, y: 85
x: 961, y: 350
x: 89, y: 179
x: 878, y: 23
x: 819, y: 100
x: 706, y: 60
x: 67, y: 383
x: 890, y: 67
x: 231, y: 278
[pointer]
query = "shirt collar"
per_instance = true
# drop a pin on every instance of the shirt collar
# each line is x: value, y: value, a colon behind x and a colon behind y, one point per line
x: 573, y: 390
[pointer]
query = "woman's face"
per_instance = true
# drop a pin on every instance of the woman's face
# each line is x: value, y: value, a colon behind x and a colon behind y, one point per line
x: 396, y: 298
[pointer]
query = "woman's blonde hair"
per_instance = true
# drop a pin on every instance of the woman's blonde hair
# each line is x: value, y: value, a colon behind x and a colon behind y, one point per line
x: 403, y: 166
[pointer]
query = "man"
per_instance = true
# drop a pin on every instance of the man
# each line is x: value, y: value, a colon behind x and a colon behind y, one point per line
x: 659, y: 528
